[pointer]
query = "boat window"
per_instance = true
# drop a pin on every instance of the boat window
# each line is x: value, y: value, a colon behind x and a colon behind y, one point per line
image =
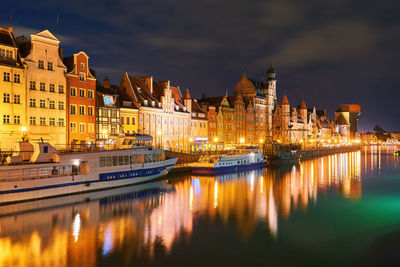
x: 126, y: 160
x: 120, y: 160
x: 238, y: 162
x: 108, y: 161
x: 131, y: 159
x: 115, y: 160
x: 102, y: 162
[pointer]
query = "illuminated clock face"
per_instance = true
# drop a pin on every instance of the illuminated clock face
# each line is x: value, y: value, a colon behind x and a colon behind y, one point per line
x: 108, y: 101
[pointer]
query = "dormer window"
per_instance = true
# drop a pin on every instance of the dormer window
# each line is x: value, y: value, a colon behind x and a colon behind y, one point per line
x: 153, y: 104
x: 82, y: 76
x: 6, y: 53
x: 145, y: 102
x: 159, y: 105
x: 176, y: 107
x: 184, y: 108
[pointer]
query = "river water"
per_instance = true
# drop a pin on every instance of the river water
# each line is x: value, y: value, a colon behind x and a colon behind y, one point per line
x: 342, y: 209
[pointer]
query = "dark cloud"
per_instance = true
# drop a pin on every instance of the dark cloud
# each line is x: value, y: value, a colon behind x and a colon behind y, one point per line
x: 329, y: 52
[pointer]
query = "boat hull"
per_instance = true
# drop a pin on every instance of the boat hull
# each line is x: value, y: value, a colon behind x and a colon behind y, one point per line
x: 73, y: 185
x: 226, y: 169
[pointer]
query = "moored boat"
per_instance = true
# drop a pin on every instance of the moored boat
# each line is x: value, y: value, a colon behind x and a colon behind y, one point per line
x: 245, y: 159
x: 285, y: 153
x: 40, y: 171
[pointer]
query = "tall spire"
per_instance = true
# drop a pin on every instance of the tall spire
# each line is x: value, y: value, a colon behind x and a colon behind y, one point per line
x: 303, y: 105
x: 285, y: 100
x: 187, y: 95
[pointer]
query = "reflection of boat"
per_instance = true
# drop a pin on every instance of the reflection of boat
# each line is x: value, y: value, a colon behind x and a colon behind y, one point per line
x: 249, y: 158
x: 42, y: 171
x: 285, y: 153
x: 397, y: 153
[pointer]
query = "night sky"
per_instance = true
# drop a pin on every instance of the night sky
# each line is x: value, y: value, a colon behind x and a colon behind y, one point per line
x: 330, y: 52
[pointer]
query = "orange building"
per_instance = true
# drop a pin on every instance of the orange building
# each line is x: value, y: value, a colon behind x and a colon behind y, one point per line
x: 81, y: 100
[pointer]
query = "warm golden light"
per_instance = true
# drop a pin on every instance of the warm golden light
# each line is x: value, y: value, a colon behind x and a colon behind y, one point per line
x: 190, y: 139
x: 215, y: 139
x: 104, y: 131
x: 159, y: 132
x: 241, y: 140
x: 23, y: 128
x: 261, y: 140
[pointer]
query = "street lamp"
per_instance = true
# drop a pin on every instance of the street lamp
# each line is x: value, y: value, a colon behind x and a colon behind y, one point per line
x: 215, y: 141
x: 241, y: 140
x: 159, y: 134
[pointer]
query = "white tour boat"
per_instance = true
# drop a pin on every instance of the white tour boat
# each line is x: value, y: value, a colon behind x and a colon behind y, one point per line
x: 41, y: 171
x: 245, y: 159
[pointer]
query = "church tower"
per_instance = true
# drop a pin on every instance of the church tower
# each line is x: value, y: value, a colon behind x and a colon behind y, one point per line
x: 271, y: 80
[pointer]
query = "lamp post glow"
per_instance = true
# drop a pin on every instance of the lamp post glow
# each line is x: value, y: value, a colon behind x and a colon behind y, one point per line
x: 159, y: 134
x: 215, y: 141
x: 241, y: 140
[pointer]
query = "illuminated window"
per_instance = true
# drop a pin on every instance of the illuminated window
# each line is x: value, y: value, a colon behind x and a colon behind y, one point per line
x: 6, y: 76
x: 73, y: 91
x: 133, y: 121
x: 90, y: 94
x: 90, y: 111
x: 42, y: 103
x: 60, y: 122
x: 82, y: 127
x: 52, y: 104
x: 61, y: 89
x: 61, y: 105
x: 17, y: 119
x: 17, y: 99
x: 82, y: 76
x: 42, y: 121
x: 52, y: 122
x: 73, y: 127
x: 50, y: 65
x: 41, y: 64
x: 52, y: 88
x: 128, y: 120
x: 122, y: 120
x: 81, y: 110
x: 6, y: 98
x: 82, y: 92
x: 17, y: 78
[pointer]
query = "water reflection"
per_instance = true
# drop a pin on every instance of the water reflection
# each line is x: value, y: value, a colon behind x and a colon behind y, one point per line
x: 137, y: 223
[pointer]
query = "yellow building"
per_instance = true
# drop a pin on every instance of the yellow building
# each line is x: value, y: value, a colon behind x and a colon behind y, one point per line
x: 129, y: 117
x: 45, y: 88
x: 12, y: 91
x: 199, y: 127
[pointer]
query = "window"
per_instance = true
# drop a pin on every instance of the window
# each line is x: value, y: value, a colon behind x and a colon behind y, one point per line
x: 61, y: 89
x: 32, y: 103
x: 73, y: 91
x: 82, y: 92
x: 90, y: 94
x: 81, y: 127
x: 42, y: 121
x: 52, y: 88
x: 32, y: 85
x: 61, y: 105
x: 42, y: 103
x: 102, y: 162
x: 52, y: 104
x: 81, y: 110
x: 50, y: 65
x: 90, y: 111
x: 133, y: 121
x: 52, y: 122
x: 17, y: 119
x: 17, y: 99
x: 32, y: 120
x: 41, y: 64
x: 6, y: 76
x: 60, y: 122
x: 122, y: 120
x: 82, y: 76
x: 128, y: 120
x: 42, y: 86
x: 82, y: 66
x: 73, y: 109
x: 73, y: 127
x: 6, y: 98
x: 6, y: 119
x: 17, y: 78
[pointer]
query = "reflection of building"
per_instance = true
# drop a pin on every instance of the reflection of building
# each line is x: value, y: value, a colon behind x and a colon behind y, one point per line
x: 46, y: 88
x: 12, y: 91
x: 81, y: 95
x: 107, y: 112
x: 163, y: 113
x: 346, y: 118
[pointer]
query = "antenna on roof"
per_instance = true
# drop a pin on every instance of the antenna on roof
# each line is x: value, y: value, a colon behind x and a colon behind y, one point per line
x: 58, y: 18
x: 11, y: 15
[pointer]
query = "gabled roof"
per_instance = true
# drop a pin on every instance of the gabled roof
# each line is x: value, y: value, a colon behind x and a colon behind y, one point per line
x: 7, y: 39
x: 47, y: 34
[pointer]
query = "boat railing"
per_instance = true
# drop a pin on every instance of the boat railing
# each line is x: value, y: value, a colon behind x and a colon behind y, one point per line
x: 38, y: 173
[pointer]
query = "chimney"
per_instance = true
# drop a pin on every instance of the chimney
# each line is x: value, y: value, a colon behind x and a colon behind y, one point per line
x: 106, y: 83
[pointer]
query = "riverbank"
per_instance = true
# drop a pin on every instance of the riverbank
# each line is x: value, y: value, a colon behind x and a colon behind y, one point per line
x: 319, y: 152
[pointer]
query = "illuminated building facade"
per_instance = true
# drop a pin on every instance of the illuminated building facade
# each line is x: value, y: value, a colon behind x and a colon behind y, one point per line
x: 107, y: 113
x: 199, y: 127
x: 129, y: 117
x: 45, y: 88
x: 12, y: 91
x: 163, y: 112
x: 81, y: 100
x: 346, y: 118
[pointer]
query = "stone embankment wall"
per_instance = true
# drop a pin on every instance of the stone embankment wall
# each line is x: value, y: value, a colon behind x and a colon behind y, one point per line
x: 318, y: 152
